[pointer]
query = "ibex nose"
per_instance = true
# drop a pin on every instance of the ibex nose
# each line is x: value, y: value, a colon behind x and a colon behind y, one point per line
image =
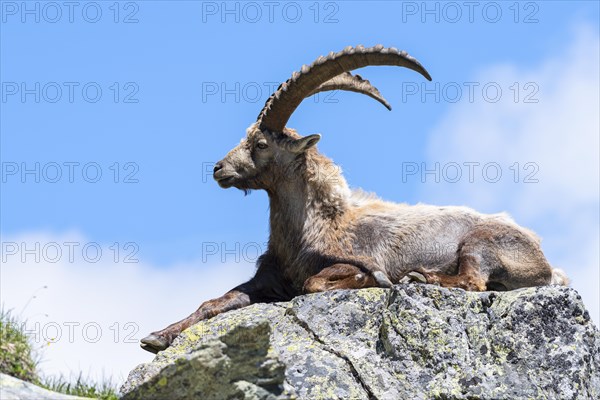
x: 217, y: 167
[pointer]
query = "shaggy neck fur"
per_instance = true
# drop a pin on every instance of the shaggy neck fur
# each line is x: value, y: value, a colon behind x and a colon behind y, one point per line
x: 308, y: 204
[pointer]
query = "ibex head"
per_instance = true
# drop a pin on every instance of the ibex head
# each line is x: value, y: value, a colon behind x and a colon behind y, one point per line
x: 261, y: 157
x: 269, y: 147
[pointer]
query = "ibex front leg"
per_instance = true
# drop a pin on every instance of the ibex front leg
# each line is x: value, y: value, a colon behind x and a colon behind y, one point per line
x: 266, y: 286
x: 239, y: 297
x: 344, y: 276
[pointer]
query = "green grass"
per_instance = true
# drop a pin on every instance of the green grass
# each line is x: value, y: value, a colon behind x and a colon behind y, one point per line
x: 16, y: 355
x: 82, y: 387
x: 19, y: 359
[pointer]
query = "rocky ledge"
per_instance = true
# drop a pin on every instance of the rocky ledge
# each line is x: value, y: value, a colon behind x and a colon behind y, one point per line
x: 409, y: 342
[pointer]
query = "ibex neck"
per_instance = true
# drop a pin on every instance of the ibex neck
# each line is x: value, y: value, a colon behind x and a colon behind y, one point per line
x: 306, y: 205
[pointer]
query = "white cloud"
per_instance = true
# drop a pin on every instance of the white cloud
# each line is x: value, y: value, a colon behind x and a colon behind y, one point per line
x: 560, y: 134
x: 105, y: 295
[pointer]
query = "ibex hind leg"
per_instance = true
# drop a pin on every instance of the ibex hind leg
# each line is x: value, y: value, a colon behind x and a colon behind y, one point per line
x: 469, y: 276
x: 519, y: 262
x: 497, y: 256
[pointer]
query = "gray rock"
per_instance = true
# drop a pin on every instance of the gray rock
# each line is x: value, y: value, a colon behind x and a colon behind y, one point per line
x: 15, y: 389
x: 409, y: 342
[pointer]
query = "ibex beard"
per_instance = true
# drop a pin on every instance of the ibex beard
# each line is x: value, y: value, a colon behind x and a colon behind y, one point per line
x: 324, y: 236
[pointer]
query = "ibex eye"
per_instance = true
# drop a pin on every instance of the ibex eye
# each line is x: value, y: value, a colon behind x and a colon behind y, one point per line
x: 262, y: 145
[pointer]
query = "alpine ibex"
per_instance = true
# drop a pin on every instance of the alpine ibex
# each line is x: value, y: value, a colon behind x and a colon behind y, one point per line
x: 324, y: 236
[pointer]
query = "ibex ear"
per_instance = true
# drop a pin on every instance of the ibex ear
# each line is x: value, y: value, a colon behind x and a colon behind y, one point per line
x: 305, y: 143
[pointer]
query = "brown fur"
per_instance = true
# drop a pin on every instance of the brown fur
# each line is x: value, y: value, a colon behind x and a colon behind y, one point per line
x: 324, y: 236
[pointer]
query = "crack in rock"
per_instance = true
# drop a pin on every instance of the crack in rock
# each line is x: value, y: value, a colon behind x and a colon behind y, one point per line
x: 413, y: 341
x: 304, y: 325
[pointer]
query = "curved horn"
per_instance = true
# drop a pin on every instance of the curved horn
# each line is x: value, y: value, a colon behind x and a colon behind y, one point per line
x: 279, y: 107
x: 352, y: 83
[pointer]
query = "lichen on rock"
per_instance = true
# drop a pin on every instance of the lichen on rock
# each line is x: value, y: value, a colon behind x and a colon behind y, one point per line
x: 412, y: 341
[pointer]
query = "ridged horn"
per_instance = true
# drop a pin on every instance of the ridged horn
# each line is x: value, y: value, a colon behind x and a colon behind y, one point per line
x: 352, y: 83
x: 279, y: 107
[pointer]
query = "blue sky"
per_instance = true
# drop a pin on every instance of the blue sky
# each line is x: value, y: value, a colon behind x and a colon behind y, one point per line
x: 162, y: 119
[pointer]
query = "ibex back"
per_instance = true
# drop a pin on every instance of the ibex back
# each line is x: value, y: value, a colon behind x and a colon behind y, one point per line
x: 323, y: 236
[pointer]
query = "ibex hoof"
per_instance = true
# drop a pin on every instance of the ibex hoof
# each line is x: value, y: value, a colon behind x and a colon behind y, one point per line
x: 382, y: 280
x: 414, y: 276
x: 154, y: 343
